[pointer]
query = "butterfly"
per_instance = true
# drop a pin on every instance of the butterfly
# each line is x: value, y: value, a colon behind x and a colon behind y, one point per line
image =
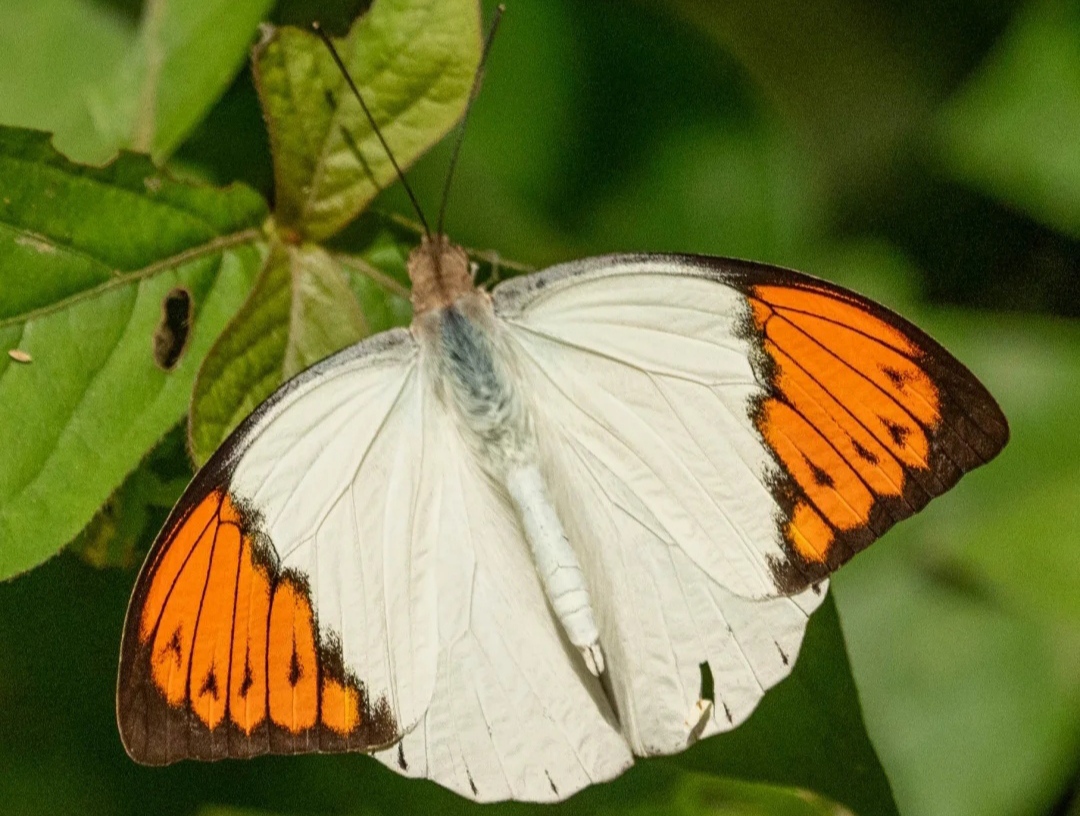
x: 500, y: 548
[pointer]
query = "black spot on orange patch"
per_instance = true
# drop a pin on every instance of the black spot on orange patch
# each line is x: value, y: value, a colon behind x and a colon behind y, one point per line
x: 210, y: 684
x: 897, y: 378
x: 821, y: 476
x: 864, y: 454
x: 174, y: 646
x: 295, y: 671
x: 248, y: 681
x: 897, y: 432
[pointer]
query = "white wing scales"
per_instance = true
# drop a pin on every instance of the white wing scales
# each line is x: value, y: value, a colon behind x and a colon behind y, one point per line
x: 661, y: 616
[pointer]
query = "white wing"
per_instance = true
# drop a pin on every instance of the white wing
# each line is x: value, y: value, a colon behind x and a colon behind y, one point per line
x: 515, y: 714
x: 290, y: 602
x: 337, y: 473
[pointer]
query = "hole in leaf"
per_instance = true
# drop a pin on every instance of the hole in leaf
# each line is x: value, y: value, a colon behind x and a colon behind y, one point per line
x: 708, y: 688
x: 171, y: 334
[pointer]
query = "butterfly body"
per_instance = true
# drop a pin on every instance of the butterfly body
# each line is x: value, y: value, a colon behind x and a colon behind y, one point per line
x: 471, y: 368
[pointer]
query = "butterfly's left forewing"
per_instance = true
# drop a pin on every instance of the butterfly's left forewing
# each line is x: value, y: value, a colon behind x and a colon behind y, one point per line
x: 289, y: 603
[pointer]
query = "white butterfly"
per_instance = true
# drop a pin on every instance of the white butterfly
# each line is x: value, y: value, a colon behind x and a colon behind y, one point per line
x: 497, y: 547
x: 505, y: 548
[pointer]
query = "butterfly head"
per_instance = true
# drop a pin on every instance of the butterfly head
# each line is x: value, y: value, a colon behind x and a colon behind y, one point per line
x: 440, y: 274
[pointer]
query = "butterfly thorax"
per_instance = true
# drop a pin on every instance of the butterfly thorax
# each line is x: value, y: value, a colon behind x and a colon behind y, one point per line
x: 468, y: 370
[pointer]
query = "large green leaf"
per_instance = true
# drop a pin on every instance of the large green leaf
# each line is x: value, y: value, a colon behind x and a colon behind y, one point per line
x: 116, y: 86
x: 963, y: 623
x: 1012, y: 132
x: 301, y: 310
x: 808, y: 732
x: 413, y: 61
x: 88, y: 258
x: 962, y: 695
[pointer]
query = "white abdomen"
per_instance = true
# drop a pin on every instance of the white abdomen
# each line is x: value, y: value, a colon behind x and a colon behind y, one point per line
x: 560, y: 572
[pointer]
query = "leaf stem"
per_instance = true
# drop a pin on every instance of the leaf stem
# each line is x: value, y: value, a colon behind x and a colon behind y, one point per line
x: 358, y: 264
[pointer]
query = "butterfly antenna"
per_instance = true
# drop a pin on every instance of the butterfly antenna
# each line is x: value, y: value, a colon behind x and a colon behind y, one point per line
x: 371, y: 119
x: 473, y: 93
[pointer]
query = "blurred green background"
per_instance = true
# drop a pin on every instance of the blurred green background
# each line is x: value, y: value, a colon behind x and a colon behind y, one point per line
x: 926, y: 153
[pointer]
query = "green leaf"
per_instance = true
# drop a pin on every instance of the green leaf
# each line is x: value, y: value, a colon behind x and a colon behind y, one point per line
x: 963, y: 622
x: 186, y: 55
x: 412, y: 60
x: 656, y: 788
x: 121, y: 532
x: 37, y: 88
x: 301, y: 310
x: 1012, y: 133
x: 88, y: 256
x: 962, y: 696
x: 116, y: 86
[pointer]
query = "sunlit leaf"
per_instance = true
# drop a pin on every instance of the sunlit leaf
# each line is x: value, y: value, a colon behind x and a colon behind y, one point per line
x: 413, y: 61
x: 87, y: 258
x: 104, y: 85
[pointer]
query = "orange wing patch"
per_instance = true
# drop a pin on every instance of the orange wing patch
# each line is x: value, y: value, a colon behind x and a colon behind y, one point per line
x: 868, y: 419
x: 222, y: 653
